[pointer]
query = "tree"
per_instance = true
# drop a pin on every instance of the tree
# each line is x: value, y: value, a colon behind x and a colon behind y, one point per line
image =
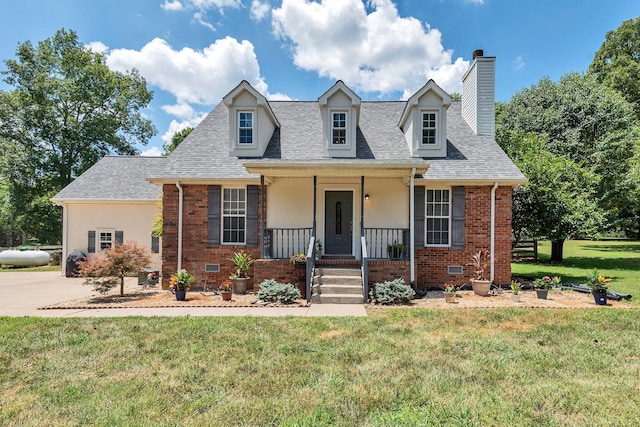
x: 109, y: 267
x: 67, y: 109
x: 617, y: 62
x: 558, y: 202
x: 176, y: 139
x: 585, y: 122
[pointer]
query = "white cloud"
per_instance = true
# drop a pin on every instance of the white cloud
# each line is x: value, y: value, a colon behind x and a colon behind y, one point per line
x: 374, y: 52
x: 519, y: 63
x: 151, y: 151
x: 193, y: 76
x: 171, y: 6
x: 481, y: 2
x: 259, y: 10
x: 182, y: 111
x: 97, y: 46
x: 198, y: 17
x: 177, y: 126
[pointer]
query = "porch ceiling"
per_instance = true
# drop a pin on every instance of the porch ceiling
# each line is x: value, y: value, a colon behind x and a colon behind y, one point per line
x: 335, y: 168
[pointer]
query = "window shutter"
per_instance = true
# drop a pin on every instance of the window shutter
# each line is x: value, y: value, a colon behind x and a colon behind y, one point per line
x: 457, y: 218
x: 252, y: 216
x: 91, y: 245
x: 155, y: 244
x: 418, y: 213
x: 213, y: 222
x: 119, y: 237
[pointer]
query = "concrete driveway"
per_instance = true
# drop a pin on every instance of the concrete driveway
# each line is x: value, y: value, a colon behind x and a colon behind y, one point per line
x: 22, y: 293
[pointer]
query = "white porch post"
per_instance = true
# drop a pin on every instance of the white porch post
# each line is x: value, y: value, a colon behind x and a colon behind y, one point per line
x: 412, y: 231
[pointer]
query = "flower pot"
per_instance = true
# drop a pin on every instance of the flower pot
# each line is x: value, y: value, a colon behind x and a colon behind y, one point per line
x: 240, y: 285
x: 600, y: 298
x: 226, y: 295
x: 542, y: 293
x: 181, y: 294
x: 481, y: 287
x: 515, y: 298
x: 450, y: 297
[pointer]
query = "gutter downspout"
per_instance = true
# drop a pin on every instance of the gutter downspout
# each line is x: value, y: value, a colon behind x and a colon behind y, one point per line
x: 412, y: 231
x: 180, y: 207
x: 493, y: 228
x: 65, y: 238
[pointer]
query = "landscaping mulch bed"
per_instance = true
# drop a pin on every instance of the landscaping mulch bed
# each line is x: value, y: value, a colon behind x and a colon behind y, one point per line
x: 135, y: 298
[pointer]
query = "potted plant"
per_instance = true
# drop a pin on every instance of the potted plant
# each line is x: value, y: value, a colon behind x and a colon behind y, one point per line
x: 225, y: 290
x: 516, y: 287
x: 556, y: 284
x: 180, y: 283
x: 599, y: 286
x: 450, y: 291
x: 480, y: 262
x: 240, y: 277
x: 152, y: 279
x: 395, y: 250
x: 542, y: 286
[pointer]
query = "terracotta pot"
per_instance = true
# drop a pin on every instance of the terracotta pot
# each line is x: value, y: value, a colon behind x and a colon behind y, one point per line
x: 481, y: 287
x: 450, y: 297
x: 226, y: 295
x: 301, y: 271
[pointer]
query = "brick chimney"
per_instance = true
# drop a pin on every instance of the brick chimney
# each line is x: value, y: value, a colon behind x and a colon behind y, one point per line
x: 479, y: 94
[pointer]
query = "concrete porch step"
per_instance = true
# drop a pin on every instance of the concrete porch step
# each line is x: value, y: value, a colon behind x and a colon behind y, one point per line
x: 334, y: 285
x: 335, y: 288
x: 334, y: 271
x: 337, y: 299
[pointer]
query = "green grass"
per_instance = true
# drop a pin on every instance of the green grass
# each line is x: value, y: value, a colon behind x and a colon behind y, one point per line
x: 618, y: 259
x: 395, y: 368
x: 27, y: 269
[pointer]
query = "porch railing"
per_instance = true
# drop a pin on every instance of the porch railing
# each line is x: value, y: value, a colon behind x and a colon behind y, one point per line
x: 281, y: 243
x: 311, y: 265
x: 380, y: 243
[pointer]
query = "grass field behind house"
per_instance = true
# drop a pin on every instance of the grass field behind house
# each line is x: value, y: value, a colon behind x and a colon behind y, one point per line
x: 616, y: 259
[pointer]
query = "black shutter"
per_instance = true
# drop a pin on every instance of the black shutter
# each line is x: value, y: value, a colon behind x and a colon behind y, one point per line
x: 252, y: 216
x: 155, y: 244
x: 119, y: 237
x: 213, y: 222
x: 91, y: 244
x: 457, y: 218
x: 418, y: 214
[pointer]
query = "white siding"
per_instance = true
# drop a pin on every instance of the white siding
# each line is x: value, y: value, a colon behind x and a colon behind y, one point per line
x: 478, y: 96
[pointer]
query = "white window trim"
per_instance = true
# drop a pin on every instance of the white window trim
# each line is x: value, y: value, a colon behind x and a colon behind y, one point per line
x: 100, y: 231
x: 346, y: 128
x: 426, y: 217
x: 422, y: 128
x: 223, y: 216
x: 254, y: 116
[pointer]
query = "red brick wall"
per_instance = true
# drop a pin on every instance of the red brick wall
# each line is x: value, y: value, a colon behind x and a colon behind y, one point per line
x: 432, y: 262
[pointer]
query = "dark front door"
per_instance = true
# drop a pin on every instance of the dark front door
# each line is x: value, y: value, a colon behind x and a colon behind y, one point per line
x: 338, y: 217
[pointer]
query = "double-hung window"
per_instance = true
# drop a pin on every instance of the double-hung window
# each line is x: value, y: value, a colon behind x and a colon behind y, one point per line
x: 245, y: 127
x: 234, y: 204
x: 339, y: 128
x: 105, y: 239
x: 429, y: 128
x: 438, y: 215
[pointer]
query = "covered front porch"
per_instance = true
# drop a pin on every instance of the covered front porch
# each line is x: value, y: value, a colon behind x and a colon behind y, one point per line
x: 340, y: 214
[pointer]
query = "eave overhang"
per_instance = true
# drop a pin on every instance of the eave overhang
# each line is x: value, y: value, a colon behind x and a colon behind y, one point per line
x: 335, y: 168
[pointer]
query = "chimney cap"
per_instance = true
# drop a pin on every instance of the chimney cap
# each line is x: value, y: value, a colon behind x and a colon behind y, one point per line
x: 477, y: 52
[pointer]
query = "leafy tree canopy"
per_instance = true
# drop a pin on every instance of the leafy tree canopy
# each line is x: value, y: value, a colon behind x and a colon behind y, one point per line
x: 176, y: 140
x: 617, y: 62
x: 67, y: 109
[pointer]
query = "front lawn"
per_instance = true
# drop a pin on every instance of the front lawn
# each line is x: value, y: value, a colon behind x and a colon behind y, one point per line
x: 396, y: 367
x: 617, y: 259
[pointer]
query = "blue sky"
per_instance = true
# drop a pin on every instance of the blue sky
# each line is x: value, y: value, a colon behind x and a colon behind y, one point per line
x: 192, y: 52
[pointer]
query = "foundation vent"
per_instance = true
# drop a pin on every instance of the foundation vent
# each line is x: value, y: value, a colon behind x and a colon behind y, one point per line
x: 455, y: 269
x: 212, y: 268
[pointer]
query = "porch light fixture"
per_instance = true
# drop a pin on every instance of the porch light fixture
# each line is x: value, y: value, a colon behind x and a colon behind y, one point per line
x: 366, y: 196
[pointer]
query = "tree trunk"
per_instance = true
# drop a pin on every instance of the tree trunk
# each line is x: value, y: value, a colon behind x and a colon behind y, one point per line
x: 556, y: 250
x: 122, y: 285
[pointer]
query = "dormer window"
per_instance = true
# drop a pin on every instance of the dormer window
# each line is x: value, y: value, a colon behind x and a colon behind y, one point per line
x: 429, y: 127
x: 339, y: 128
x: 245, y: 127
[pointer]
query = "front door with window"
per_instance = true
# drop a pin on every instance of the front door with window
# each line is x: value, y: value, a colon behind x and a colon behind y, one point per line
x: 338, y: 216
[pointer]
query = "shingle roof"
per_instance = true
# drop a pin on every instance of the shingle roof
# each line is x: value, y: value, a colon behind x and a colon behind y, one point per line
x: 204, y: 154
x: 115, y: 178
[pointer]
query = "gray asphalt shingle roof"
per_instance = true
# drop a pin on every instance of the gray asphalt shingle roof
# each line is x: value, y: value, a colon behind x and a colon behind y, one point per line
x: 115, y: 178
x: 204, y: 154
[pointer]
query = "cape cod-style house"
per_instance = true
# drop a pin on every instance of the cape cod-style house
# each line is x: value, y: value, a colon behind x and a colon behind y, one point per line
x: 344, y: 181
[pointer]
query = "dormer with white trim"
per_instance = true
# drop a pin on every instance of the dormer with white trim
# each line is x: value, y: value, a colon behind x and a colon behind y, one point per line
x: 340, y: 110
x: 424, y: 121
x: 251, y: 121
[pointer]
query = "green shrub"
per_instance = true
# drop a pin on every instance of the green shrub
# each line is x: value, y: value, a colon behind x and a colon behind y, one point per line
x: 393, y: 292
x: 272, y: 291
